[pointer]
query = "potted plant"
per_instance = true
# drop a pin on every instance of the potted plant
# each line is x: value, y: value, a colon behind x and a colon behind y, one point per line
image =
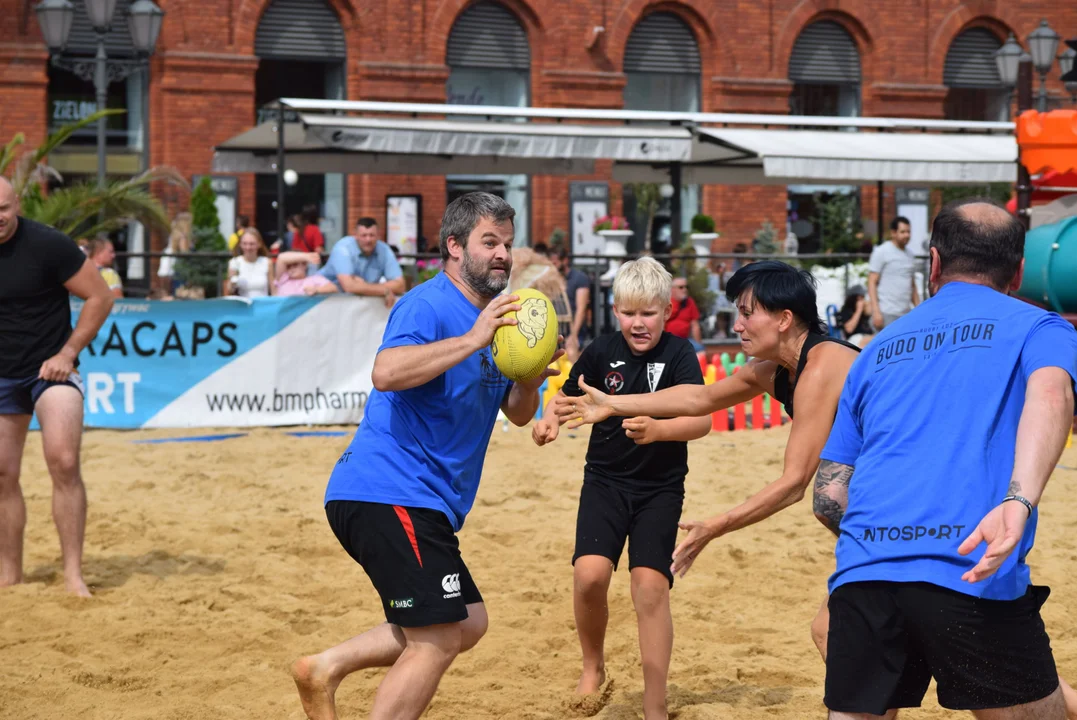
x: 616, y: 231
x: 702, y: 234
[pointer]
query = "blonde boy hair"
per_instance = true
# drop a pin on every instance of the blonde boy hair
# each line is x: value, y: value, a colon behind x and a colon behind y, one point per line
x: 642, y: 283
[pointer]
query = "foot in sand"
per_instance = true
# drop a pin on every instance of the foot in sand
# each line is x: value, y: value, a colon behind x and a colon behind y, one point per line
x: 317, y: 688
x: 77, y: 587
x: 591, y: 681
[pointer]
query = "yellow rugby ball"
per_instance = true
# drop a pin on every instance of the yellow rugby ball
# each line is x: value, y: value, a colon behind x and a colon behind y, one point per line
x: 522, y: 351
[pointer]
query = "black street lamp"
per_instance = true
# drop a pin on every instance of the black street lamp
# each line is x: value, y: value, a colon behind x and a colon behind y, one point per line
x: 144, y: 21
x: 1043, y: 44
x: 1065, y: 64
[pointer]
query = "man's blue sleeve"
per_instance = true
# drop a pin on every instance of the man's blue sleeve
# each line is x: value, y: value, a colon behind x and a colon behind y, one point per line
x: 339, y: 263
x: 390, y: 267
x: 413, y: 321
x: 1052, y: 342
x: 846, y: 436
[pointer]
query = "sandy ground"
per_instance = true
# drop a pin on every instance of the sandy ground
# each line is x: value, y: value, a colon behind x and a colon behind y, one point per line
x: 213, y: 568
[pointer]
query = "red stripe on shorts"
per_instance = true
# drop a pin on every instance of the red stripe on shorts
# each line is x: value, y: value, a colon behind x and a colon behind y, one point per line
x: 405, y: 520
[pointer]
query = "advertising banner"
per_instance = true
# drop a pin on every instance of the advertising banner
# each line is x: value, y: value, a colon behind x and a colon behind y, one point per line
x: 232, y: 362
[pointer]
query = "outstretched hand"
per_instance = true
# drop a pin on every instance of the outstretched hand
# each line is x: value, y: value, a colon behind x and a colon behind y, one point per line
x: 699, y: 535
x: 591, y: 407
x: 1001, y: 529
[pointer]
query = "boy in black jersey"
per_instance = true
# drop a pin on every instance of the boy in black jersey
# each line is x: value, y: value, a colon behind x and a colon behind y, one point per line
x: 633, y: 483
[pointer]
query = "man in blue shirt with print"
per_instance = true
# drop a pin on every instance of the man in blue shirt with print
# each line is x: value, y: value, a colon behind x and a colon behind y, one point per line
x: 948, y: 428
x: 363, y: 265
x: 400, y: 493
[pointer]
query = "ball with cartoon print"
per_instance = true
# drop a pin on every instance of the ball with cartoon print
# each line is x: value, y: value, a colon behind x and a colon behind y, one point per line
x: 522, y: 351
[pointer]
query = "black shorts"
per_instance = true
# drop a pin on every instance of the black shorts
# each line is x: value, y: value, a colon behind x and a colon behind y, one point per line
x: 411, y: 555
x: 19, y: 396
x: 887, y: 640
x: 610, y: 513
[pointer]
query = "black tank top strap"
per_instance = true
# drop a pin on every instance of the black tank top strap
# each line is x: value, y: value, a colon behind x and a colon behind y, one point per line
x: 783, y: 388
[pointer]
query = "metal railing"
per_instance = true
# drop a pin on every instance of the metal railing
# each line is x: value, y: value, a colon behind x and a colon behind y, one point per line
x: 595, y: 265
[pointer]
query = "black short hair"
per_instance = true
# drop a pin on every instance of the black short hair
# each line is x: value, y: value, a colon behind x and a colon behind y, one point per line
x: 898, y: 221
x: 777, y: 286
x: 243, y: 220
x: 989, y: 247
x: 366, y: 222
x: 541, y: 248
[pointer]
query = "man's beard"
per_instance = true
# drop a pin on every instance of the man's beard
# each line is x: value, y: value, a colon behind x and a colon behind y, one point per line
x: 480, y: 276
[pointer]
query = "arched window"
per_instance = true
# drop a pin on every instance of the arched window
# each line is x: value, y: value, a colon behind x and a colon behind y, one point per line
x: 974, y: 89
x: 489, y: 61
x: 825, y: 71
x: 662, y: 65
x: 301, y: 53
x: 662, y: 70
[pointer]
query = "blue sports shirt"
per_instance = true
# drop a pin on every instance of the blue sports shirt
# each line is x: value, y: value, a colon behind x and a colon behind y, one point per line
x: 424, y: 447
x: 928, y: 417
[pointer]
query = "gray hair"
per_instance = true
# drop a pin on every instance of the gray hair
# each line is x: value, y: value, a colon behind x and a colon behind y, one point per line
x: 464, y: 213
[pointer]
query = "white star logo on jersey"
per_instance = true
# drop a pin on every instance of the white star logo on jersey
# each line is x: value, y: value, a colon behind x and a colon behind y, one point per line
x: 654, y: 374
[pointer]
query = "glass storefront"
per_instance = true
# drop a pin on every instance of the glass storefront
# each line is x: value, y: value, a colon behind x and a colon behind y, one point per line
x: 301, y: 79
x: 508, y: 88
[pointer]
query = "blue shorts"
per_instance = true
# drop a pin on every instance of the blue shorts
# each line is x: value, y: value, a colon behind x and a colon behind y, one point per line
x: 19, y: 396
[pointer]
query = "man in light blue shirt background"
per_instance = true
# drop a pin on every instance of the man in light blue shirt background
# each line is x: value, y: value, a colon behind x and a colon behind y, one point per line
x: 363, y: 265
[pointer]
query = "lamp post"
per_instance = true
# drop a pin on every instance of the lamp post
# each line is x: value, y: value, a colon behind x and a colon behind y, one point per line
x: 1065, y: 64
x: 1042, y: 45
x: 144, y: 20
x: 1007, y: 59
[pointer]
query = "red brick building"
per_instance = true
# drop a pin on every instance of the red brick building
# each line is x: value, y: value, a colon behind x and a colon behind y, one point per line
x: 218, y: 60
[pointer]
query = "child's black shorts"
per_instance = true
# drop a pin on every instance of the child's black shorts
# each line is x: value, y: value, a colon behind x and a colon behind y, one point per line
x: 611, y: 513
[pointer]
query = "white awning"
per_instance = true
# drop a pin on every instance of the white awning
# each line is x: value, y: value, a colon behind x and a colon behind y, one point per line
x: 749, y: 156
x: 326, y: 143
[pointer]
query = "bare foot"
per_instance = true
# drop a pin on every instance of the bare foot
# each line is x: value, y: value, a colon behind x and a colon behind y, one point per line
x: 6, y: 581
x: 591, y: 681
x: 317, y: 689
x: 77, y: 587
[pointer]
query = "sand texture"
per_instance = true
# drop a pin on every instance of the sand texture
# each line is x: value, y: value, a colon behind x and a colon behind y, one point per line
x: 213, y: 568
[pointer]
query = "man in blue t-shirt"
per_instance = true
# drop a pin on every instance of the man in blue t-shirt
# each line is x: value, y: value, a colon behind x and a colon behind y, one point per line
x: 401, y: 491
x: 948, y: 428
x: 363, y: 265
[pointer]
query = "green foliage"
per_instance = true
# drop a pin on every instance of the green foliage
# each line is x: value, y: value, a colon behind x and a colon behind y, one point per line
x: 685, y: 265
x: 765, y: 240
x: 999, y: 192
x: 203, y: 272
x: 702, y: 223
x: 83, y: 210
x: 838, y: 220
x: 557, y: 239
x: 648, y: 199
x: 31, y: 170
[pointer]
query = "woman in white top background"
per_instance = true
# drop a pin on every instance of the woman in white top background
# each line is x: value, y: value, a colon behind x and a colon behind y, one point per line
x: 249, y: 271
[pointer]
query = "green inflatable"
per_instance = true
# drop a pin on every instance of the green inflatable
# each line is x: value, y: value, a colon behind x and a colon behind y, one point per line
x: 1051, y: 266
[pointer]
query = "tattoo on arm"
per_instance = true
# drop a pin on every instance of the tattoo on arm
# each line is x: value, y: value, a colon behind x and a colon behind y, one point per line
x: 1015, y: 488
x: 831, y: 494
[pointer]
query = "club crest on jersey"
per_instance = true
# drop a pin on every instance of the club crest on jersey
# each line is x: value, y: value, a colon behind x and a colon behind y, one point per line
x: 614, y: 382
x: 654, y: 374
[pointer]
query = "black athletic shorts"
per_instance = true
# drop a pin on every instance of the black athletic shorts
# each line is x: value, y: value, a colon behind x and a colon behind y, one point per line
x: 611, y: 513
x: 411, y: 555
x: 887, y: 640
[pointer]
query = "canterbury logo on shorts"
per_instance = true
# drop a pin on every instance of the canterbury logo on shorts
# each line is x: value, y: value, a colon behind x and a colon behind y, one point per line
x: 76, y: 380
x: 451, y: 585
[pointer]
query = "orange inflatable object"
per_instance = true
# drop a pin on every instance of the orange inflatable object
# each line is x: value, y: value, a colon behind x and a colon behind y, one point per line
x: 1048, y: 141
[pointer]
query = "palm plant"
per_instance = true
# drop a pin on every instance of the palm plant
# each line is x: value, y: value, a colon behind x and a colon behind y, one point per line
x: 83, y: 208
